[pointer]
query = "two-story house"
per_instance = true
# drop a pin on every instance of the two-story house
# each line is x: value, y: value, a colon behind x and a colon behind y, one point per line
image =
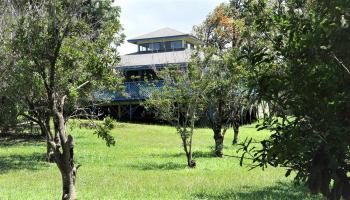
x: 156, y: 50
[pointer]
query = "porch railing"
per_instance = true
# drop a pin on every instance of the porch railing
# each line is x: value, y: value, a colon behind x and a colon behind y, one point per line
x: 137, y: 90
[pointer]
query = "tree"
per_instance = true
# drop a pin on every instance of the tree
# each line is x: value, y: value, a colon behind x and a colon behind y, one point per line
x: 224, y: 80
x: 179, y: 102
x: 306, y: 63
x: 65, y: 50
x: 8, y: 118
x: 8, y: 109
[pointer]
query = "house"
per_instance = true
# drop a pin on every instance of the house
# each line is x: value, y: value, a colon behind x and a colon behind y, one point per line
x: 156, y: 50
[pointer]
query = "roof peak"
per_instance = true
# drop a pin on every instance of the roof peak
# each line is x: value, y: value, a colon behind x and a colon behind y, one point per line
x: 160, y: 33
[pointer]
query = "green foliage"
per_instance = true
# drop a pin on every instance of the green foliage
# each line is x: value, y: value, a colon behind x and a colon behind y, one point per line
x: 59, y: 54
x: 103, y: 130
x: 299, y: 64
x: 180, y: 101
x: 65, y: 50
x: 9, y: 115
x: 224, y: 83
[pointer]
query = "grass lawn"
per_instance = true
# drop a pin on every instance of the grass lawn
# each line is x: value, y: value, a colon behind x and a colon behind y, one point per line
x: 146, y: 163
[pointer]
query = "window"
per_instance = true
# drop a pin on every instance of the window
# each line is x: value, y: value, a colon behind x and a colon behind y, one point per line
x: 144, y: 47
x: 161, y: 46
x: 176, y: 44
x: 155, y: 46
x: 167, y: 46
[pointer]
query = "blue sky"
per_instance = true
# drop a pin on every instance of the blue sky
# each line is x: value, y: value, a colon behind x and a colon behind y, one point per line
x: 143, y: 16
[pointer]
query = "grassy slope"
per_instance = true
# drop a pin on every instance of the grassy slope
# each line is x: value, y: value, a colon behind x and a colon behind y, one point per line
x: 146, y: 163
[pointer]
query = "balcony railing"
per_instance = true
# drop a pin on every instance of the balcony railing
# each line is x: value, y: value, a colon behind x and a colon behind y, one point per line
x: 136, y: 90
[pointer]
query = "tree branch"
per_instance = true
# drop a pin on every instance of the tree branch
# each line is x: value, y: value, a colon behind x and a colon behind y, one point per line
x: 30, y: 118
x: 340, y: 62
x: 82, y: 85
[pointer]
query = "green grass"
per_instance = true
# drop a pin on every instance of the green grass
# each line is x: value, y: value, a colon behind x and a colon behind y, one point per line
x: 146, y: 163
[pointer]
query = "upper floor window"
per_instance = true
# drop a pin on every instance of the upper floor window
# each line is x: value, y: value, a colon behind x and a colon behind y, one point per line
x: 176, y: 44
x: 161, y: 46
x: 173, y: 45
x: 157, y: 46
x: 145, y: 47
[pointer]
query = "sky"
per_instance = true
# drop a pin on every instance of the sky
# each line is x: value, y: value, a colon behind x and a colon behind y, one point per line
x: 139, y: 17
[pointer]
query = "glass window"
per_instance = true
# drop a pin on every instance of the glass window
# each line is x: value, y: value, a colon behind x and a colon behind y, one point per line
x: 167, y: 46
x: 144, y: 47
x: 176, y: 44
x: 156, y: 46
x: 161, y: 46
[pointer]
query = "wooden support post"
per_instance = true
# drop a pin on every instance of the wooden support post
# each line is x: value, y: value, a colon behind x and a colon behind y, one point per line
x: 130, y: 112
x: 119, y: 113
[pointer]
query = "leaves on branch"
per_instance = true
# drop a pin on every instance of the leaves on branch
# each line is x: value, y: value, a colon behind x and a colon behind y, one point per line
x: 103, y: 130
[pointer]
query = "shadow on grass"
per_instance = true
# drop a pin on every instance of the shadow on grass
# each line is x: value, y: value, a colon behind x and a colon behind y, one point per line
x: 286, y: 191
x: 21, y: 139
x: 195, y: 154
x: 203, y: 154
x: 35, y: 161
x: 158, y: 166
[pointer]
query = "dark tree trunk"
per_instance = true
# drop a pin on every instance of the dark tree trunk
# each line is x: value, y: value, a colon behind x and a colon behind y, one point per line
x: 50, y: 157
x: 190, y: 162
x: 68, y: 186
x: 65, y: 158
x: 68, y: 173
x: 341, y: 186
x: 236, y: 131
x: 321, y: 176
x: 219, y: 142
x: 45, y: 132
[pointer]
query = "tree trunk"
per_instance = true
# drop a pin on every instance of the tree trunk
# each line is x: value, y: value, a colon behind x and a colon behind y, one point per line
x: 219, y: 142
x: 68, y: 171
x: 341, y: 185
x: 236, y: 131
x: 65, y: 158
x: 45, y: 127
x: 68, y: 180
x: 190, y: 162
x: 50, y: 153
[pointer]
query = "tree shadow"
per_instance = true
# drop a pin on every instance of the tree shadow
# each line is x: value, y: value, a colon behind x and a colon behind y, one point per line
x: 286, y: 191
x: 35, y: 161
x: 203, y: 154
x: 158, y: 166
x: 195, y: 154
x: 21, y: 139
x: 167, y: 155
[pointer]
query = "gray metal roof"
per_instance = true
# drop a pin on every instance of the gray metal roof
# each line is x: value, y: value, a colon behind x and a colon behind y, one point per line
x: 161, y: 33
x: 153, y: 59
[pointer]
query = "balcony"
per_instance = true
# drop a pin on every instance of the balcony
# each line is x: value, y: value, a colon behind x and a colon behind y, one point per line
x: 134, y: 91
